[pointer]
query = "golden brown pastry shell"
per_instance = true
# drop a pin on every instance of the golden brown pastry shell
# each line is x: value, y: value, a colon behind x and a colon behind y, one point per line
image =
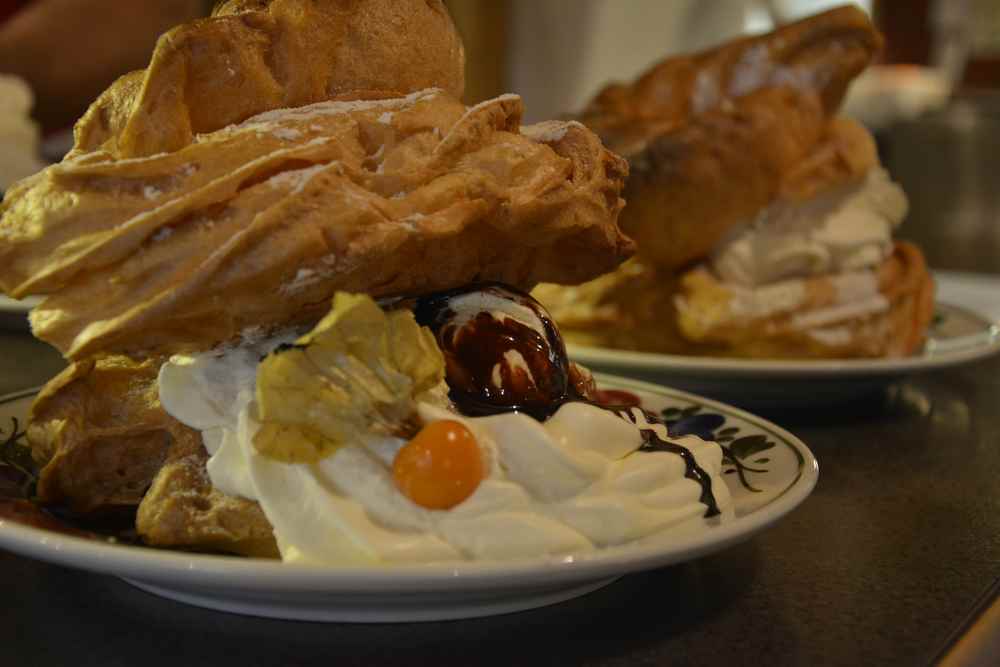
x: 251, y: 57
x: 714, y: 137
x: 256, y: 226
x: 105, y: 445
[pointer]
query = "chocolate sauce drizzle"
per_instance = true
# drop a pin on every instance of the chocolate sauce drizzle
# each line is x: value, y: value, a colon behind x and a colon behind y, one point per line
x: 654, y: 443
x: 472, y: 352
x: 651, y: 442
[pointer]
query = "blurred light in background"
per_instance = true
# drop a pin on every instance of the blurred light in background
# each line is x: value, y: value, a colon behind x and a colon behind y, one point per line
x: 558, y: 53
x: 761, y: 16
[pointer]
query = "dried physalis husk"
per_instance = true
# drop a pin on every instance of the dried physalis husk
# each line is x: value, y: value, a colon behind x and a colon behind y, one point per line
x: 358, y: 372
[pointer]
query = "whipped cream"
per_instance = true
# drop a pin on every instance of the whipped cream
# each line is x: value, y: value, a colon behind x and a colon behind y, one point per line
x: 854, y: 294
x: 571, y: 484
x: 844, y: 231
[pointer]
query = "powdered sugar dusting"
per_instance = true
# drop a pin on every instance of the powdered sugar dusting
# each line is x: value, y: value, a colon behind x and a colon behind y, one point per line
x: 269, y: 122
x: 550, y: 131
x: 506, y: 97
x: 751, y: 71
x: 297, y: 179
x: 162, y: 233
x: 286, y: 133
x: 485, y: 104
x: 705, y: 95
x: 303, y: 278
x: 410, y: 221
x: 756, y: 69
x: 90, y: 159
x: 473, y: 110
x: 335, y: 108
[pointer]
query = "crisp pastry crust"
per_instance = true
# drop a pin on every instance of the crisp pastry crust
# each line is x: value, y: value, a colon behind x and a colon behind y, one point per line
x: 713, y: 138
x: 105, y: 444
x: 183, y: 509
x: 630, y: 308
x: 251, y: 57
x: 639, y: 307
x: 100, y: 433
x: 704, y: 180
x: 820, y: 54
x: 257, y: 225
x: 689, y: 188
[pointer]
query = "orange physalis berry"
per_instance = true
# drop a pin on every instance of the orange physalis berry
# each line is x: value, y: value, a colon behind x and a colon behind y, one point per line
x: 440, y: 467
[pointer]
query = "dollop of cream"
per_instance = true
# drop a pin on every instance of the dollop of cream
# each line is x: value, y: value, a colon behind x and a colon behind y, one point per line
x: 854, y: 294
x: 847, y: 230
x: 574, y: 483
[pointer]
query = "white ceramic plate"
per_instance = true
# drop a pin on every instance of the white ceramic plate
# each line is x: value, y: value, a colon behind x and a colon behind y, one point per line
x: 786, y: 474
x: 14, y: 313
x: 966, y: 328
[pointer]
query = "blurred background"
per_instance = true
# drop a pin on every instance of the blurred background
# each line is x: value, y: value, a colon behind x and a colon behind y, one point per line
x: 933, y: 101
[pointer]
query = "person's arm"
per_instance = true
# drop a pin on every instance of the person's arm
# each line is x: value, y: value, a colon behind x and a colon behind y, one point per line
x: 71, y: 50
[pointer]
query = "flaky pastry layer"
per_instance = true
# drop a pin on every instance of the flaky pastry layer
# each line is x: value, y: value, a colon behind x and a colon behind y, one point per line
x: 105, y: 444
x: 255, y: 226
x: 253, y: 56
x: 714, y: 137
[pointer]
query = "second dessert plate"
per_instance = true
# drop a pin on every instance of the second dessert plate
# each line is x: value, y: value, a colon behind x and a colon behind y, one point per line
x: 966, y: 328
x: 768, y: 470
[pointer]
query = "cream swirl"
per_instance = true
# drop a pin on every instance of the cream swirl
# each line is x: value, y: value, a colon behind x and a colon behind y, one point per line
x: 847, y: 230
x: 571, y: 484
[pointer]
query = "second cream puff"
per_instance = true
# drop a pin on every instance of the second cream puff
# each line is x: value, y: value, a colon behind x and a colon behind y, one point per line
x: 764, y: 220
